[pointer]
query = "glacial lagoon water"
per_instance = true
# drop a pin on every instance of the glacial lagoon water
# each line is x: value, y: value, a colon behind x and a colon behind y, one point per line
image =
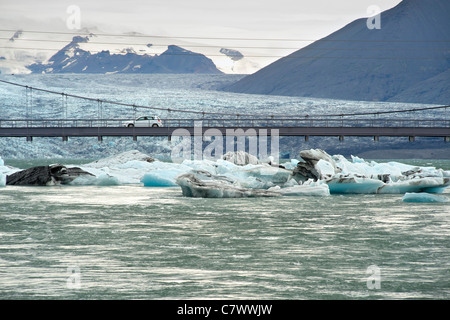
x: 134, y: 242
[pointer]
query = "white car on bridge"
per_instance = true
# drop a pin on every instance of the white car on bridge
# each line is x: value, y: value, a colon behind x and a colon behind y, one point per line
x: 144, y: 121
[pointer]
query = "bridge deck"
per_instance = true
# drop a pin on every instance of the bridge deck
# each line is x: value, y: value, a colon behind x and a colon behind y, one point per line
x: 236, y: 131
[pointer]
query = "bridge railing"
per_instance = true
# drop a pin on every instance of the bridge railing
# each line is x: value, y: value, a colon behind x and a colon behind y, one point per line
x: 220, y: 123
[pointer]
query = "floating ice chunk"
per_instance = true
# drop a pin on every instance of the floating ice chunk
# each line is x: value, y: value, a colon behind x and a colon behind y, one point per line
x: 205, y: 165
x: 316, y: 164
x: 340, y: 174
x: 133, y: 171
x: 205, y: 185
x: 423, y: 197
x: 240, y: 158
x: 357, y: 160
x: 320, y: 190
x: 135, y: 164
x: 163, y: 174
x: 223, y: 166
x: 325, y: 168
x: 246, y: 180
x: 290, y: 165
x: 259, y: 176
x: 360, y: 176
x: 2, y: 176
x: 84, y: 181
x: 428, y: 184
x: 103, y: 179
x: 315, y: 155
x: 121, y: 159
x: 272, y: 175
x: 107, y: 180
x: 2, y: 180
x: 5, y: 171
x: 160, y: 178
x: 349, y: 183
x: 360, y: 167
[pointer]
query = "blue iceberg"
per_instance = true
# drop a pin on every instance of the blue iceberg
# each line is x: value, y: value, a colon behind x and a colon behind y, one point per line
x: 160, y: 178
x: 362, y: 177
x: 423, y: 197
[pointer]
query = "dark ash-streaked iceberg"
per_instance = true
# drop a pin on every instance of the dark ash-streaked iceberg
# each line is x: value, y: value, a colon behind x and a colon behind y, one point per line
x: 205, y: 185
x: 360, y: 176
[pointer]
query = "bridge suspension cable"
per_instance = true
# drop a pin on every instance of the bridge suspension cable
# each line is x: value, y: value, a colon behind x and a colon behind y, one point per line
x: 137, y: 36
x: 203, y: 113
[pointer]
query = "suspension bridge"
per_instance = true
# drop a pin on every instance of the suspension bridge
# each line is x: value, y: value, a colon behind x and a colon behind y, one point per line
x: 211, y: 124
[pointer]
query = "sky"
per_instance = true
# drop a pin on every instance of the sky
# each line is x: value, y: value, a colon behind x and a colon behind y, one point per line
x: 234, y: 24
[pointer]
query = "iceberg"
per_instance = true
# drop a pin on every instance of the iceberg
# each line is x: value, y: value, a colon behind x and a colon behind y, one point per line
x: 260, y: 176
x: 2, y: 180
x: 122, y: 158
x: 309, y: 188
x: 205, y: 185
x: 254, y: 176
x: 418, y: 184
x: 360, y: 176
x: 2, y: 176
x: 101, y: 180
x: 424, y: 197
x: 5, y: 171
x: 315, y: 174
x: 130, y: 168
x: 160, y: 178
x: 240, y: 158
x: 45, y: 175
x: 353, y: 184
x: 224, y: 179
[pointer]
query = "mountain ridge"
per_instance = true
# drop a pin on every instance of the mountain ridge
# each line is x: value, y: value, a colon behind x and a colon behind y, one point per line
x: 357, y: 63
x: 73, y: 59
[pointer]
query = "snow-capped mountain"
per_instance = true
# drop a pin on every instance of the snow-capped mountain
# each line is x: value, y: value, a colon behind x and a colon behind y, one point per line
x: 93, y: 51
x: 407, y: 60
x: 74, y: 59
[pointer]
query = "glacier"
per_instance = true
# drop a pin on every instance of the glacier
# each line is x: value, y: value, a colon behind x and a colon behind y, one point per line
x: 187, y: 92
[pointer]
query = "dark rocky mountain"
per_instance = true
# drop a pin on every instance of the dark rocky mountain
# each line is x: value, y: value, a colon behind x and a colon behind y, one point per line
x: 73, y: 59
x: 407, y: 60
